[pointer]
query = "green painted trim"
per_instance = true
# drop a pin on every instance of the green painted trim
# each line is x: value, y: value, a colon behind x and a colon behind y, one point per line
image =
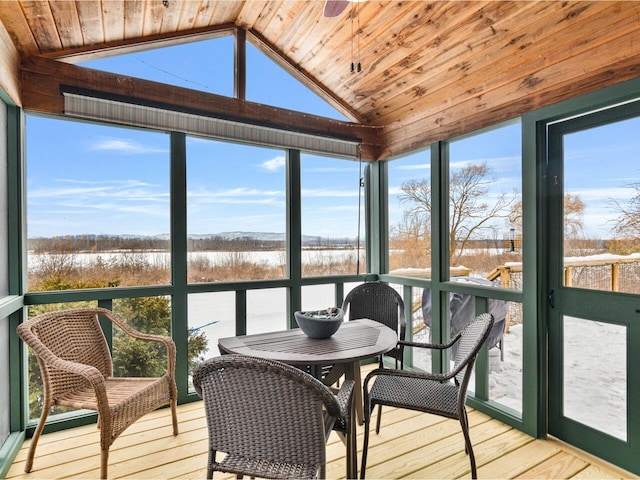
x: 16, y: 214
x: 18, y: 394
x: 481, y: 369
x: 9, y: 305
x: 534, y: 283
x: 241, y: 312
x: 294, y: 235
x: 9, y: 451
x: 496, y: 410
x: 380, y: 232
x: 105, y: 324
x: 407, y: 298
x: 439, y: 249
x: 412, y: 281
x: 42, y: 298
x: 179, y: 309
x: 4, y: 97
x: 374, y: 217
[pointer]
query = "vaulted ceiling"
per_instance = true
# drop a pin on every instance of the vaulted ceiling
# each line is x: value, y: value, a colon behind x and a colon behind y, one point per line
x: 429, y: 69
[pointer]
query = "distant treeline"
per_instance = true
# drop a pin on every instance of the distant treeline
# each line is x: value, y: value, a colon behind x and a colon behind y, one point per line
x: 110, y: 243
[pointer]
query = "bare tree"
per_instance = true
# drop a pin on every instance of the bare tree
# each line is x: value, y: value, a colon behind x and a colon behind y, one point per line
x: 472, y: 210
x: 627, y: 224
x: 573, y: 215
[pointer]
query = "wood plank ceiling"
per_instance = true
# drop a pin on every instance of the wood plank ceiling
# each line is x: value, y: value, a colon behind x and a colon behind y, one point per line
x: 430, y: 69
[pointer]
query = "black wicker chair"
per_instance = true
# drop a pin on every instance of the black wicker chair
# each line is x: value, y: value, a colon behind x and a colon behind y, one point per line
x: 380, y: 302
x: 270, y: 419
x: 440, y: 394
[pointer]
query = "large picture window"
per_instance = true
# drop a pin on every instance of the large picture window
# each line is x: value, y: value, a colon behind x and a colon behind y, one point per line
x: 97, y: 205
x: 235, y: 212
x: 410, y: 215
x: 485, y: 205
x: 332, y: 217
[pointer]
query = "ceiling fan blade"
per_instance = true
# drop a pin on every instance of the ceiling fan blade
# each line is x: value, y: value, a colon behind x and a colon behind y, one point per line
x: 333, y: 8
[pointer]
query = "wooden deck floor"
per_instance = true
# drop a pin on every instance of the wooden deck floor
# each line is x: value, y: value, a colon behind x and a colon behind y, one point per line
x: 409, y: 446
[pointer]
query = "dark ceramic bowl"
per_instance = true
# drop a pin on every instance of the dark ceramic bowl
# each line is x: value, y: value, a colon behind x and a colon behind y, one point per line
x: 320, y: 323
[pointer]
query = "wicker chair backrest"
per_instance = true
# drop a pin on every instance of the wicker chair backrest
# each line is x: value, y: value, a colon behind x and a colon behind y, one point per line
x: 472, y: 338
x: 74, y: 335
x: 264, y: 409
x: 377, y: 301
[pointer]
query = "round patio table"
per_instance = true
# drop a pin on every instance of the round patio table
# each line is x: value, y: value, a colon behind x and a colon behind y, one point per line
x: 354, y: 341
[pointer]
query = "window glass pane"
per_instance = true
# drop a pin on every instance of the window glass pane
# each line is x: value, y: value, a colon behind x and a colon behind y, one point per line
x: 318, y: 297
x: 595, y: 378
x: 410, y: 215
x: 485, y: 205
x: 602, y: 208
x: 266, y: 310
x: 179, y: 65
x: 134, y: 358
x: 97, y: 205
x: 282, y: 89
x: 236, y: 212
x: 505, y: 361
x: 211, y: 316
x: 332, y: 207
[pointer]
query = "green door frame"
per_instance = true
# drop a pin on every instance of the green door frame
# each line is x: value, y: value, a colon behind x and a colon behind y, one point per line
x: 537, y: 254
x: 616, y: 308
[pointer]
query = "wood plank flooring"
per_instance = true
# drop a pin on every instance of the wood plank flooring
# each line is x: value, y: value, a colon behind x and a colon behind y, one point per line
x: 409, y: 445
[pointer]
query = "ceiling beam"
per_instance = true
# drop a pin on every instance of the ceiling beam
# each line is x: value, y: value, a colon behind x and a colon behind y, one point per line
x: 43, y: 81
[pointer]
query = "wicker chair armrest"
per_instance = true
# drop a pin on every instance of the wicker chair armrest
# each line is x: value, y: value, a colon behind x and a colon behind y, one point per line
x: 433, y: 346
x: 344, y: 397
x: 147, y: 337
x: 88, y: 372
x: 437, y: 377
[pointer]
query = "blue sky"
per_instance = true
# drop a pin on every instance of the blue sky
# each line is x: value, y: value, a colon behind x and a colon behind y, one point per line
x: 84, y: 178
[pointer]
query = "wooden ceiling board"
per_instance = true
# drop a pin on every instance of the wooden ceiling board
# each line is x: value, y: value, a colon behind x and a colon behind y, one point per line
x: 41, y: 22
x: 446, y: 67
x: 503, y: 61
x: 17, y: 28
x: 68, y: 23
x: 113, y: 14
x: 507, y: 102
x: 365, y: 43
x: 9, y: 67
x: 291, y: 21
x: 90, y: 13
x: 153, y: 17
x: 133, y: 18
x: 249, y: 15
x: 263, y: 22
x: 401, y: 68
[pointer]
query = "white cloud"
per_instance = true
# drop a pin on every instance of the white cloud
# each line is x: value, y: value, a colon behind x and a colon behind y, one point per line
x: 326, y: 192
x: 420, y: 166
x: 274, y: 164
x: 129, y: 147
